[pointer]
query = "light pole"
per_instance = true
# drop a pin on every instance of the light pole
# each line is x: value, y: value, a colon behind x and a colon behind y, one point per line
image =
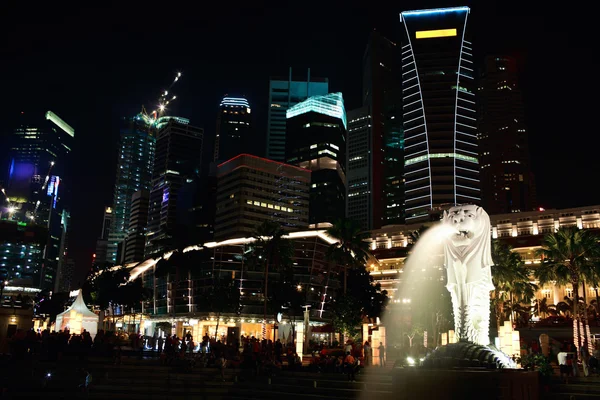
x: 2, y: 285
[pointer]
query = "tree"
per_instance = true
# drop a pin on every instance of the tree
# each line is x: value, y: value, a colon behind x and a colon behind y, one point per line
x: 369, y: 296
x: 132, y: 294
x: 103, y: 286
x: 351, y: 249
x: 223, y: 297
x: 271, y: 251
x: 415, y: 330
x: 347, y: 315
x: 50, y: 306
x: 541, y: 308
x: 569, y: 255
x: 511, y: 281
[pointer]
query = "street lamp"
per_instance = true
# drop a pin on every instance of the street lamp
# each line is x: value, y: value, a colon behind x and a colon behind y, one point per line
x: 2, y: 285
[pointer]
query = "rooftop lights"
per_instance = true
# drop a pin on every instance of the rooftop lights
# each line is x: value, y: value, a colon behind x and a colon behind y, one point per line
x: 60, y: 123
x: 331, y: 104
x: 235, y: 101
x: 420, y: 13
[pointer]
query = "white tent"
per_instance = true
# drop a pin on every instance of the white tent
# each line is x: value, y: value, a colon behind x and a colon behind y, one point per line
x: 77, y: 318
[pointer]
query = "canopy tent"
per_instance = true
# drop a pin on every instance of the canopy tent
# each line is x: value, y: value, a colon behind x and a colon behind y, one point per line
x: 77, y: 318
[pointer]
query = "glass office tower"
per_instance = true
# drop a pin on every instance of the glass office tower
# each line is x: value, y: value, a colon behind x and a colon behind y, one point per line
x: 440, y: 135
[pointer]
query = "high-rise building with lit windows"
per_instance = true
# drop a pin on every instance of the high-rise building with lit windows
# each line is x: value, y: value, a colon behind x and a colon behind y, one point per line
x: 233, y: 128
x: 284, y: 93
x: 177, y: 163
x: 101, y: 254
x: 375, y: 140
x: 441, y: 154
x: 359, y: 200
x: 135, y: 243
x: 37, y: 190
x: 316, y: 140
x: 252, y: 190
x: 507, y: 183
x: 134, y: 172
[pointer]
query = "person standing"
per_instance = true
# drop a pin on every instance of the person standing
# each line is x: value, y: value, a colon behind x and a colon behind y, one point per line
x: 367, y: 353
x: 381, y: 349
x: 349, y: 363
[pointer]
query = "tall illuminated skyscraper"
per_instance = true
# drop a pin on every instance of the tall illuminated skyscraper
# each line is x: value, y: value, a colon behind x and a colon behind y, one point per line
x: 177, y: 162
x: 233, y: 128
x: 316, y: 140
x: 284, y: 93
x: 507, y: 183
x: 375, y: 140
x: 134, y: 172
x: 441, y: 160
x: 37, y: 190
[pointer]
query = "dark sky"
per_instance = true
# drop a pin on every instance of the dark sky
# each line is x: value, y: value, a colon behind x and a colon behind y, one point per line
x: 94, y: 65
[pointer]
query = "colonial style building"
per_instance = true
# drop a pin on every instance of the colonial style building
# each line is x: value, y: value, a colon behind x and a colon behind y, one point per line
x: 522, y: 231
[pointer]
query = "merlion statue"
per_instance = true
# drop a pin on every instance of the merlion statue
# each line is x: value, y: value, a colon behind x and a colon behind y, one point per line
x: 468, y: 258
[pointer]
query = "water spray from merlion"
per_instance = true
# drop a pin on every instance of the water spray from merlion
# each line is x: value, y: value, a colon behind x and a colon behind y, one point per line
x: 463, y: 238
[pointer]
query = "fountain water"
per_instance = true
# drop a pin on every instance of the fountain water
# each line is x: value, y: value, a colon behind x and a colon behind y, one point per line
x: 461, y: 243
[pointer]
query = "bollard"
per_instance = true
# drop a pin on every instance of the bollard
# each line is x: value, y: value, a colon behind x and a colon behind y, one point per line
x: 314, y: 384
x: 235, y: 378
x: 269, y: 381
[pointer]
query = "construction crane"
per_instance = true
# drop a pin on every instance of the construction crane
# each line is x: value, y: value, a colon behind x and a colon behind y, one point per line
x: 164, y: 100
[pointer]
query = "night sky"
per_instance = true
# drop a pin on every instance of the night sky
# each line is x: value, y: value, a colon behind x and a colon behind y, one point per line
x: 92, y: 66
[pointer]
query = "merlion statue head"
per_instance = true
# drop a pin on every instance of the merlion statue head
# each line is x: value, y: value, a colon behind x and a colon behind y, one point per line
x: 473, y: 233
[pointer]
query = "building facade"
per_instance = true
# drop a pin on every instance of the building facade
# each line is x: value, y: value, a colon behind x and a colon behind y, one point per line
x: 177, y: 162
x: 22, y: 253
x: 316, y: 140
x: 284, y: 93
x: 135, y: 244
x: 507, y: 183
x: 251, y: 190
x: 101, y: 254
x: 233, y: 128
x: 441, y: 154
x: 38, y: 185
x: 382, y: 102
x: 134, y: 172
x: 359, y: 199
x: 316, y: 280
x: 522, y: 231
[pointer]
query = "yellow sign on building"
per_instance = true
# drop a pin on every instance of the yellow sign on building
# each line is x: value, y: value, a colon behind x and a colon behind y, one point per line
x: 436, y: 33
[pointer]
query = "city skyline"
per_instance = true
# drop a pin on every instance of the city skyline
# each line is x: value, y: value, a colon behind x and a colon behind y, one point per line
x: 92, y: 106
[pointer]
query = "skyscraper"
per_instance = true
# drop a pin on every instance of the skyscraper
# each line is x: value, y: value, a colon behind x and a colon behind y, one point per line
x: 233, y: 128
x: 64, y: 272
x: 134, y: 172
x: 136, y: 232
x: 39, y: 162
x: 38, y: 185
x: 375, y: 139
x: 359, y: 201
x: 441, y: 164
x: 177, y: 162
x: 251, y: 190
x: 101, y: 256
x: 507, y: 183
x: 316, y: 140
x: 284, y: 93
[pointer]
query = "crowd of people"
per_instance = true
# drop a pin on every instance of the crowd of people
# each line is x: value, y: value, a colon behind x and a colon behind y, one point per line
x: 252, y: 355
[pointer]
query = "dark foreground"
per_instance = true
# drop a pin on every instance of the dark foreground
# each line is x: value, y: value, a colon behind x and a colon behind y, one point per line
x: 146, y: 379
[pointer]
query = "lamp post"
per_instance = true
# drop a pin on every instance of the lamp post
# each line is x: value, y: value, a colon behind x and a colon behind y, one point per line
x: 2, y: 285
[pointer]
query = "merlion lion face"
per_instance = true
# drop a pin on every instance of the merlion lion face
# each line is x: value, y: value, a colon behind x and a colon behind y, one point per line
x: 467, y: 223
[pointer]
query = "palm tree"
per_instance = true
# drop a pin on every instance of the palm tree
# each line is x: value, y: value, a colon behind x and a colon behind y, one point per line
x: 271, y: 250
x: 568, y: 256
x: 511, y: 280
x: 351, y: 249
x: 541, y: 308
